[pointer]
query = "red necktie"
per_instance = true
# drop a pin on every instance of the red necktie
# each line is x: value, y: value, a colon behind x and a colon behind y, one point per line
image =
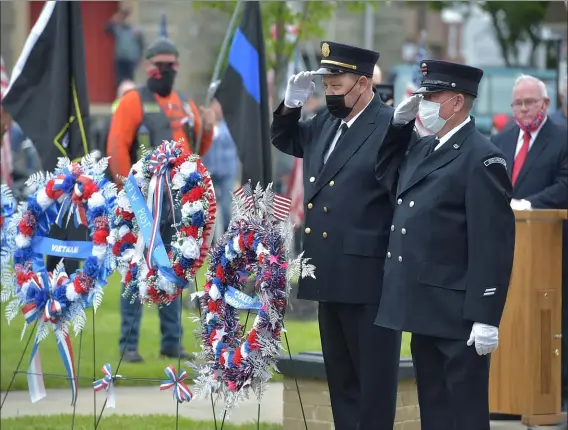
x: 521, y: 157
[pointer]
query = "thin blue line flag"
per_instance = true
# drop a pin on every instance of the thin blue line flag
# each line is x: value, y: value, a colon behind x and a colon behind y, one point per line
x: 243, y: 94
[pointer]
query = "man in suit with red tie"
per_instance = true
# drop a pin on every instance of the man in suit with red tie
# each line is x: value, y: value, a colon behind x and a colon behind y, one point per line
x: 536, y: 151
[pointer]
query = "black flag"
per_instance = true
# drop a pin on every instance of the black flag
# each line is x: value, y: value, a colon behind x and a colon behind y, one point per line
x: 48, y: 95
x: 243, y: 94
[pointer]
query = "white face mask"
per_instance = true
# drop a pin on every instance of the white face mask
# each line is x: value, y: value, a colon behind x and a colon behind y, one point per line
x: 430, y: 115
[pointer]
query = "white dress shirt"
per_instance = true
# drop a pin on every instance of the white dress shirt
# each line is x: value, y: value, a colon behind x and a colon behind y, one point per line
x: 450, y: 133
x: 521, y: 138
x: 338, y: 132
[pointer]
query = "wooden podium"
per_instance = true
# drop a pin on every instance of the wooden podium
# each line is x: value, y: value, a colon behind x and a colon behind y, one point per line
x: 525, y: 369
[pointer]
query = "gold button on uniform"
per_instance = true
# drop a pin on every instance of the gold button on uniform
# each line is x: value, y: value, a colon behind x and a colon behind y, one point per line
x: 312, y: 179
x: 325, y: 208
x: 308, y: 230
x: 310, y: 205
x: 331, y: 183
x: 324, y: 234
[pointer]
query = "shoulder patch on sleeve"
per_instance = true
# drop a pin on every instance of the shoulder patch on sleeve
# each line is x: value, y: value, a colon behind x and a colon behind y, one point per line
x: 494, y: 160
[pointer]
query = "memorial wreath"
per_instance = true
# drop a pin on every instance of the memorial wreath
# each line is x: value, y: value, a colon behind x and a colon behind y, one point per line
x: 256, y: 245
x: 159, y: 277
x: 55, y: 300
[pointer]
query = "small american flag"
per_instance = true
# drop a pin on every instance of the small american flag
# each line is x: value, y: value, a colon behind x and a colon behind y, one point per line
x: 281, y: 207
x: 245, y: 192
x: 296, y: 191
x: 6, y: 148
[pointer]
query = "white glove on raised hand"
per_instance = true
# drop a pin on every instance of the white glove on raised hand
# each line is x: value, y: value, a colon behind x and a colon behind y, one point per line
x: 300, y: 88
x: 407, y: 110
x: 485, y: 337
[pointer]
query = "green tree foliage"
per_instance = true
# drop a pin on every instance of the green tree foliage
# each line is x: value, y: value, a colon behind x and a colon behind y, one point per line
x: 513, y: 21
x: 516, y: 22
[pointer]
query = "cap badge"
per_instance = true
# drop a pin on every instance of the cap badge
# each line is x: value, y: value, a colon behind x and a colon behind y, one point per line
x: 424, y: 69
x: 325, y: 51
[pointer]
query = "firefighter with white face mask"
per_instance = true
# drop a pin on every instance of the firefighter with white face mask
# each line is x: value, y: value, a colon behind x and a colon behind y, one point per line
x: 451, y: 246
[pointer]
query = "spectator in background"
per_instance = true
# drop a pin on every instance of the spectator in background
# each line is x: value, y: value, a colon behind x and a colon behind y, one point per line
x: 221, y: 161
x: 145, y: 117
x: 540, y: 181
x: 561, y: 115
x: 128, y: 45
x: 25, y: 161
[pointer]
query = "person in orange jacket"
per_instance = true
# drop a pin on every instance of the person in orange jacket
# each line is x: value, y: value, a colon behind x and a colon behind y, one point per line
x: 156, y: 112
x: 145, y: 117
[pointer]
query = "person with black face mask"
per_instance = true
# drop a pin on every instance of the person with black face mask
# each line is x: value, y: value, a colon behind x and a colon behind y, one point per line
x: 347, y: 219
x: 145, y: 117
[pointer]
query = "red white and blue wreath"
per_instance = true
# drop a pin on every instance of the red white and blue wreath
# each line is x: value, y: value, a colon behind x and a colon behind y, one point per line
x: 157, y: 277
x: 56, y: 300
x: 256, y: 244
x: 7, y: 236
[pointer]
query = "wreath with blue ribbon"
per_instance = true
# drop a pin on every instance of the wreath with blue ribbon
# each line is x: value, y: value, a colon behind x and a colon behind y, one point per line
x: 256, y: 244
x: 156, y: 276
x: 56, y: 300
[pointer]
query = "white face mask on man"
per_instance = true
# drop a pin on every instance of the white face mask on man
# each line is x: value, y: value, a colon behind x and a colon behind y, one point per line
x: 430, y: 115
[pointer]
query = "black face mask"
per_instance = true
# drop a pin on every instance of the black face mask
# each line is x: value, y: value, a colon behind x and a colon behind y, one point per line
x: 164, y: 84
x: 336, y: 104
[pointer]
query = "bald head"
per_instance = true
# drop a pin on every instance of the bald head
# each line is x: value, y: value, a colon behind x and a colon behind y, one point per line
x: 125, y: 86
x: 377, y: 76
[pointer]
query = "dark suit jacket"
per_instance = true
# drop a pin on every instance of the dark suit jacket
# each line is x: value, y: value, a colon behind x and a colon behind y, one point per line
x: 543, y: 179
x: 347, y: 213
x: 452, y: 239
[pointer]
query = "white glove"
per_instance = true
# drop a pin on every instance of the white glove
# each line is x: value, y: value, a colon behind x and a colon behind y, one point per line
x: 300, y: 88
x: 486, y: 338
x: 521, y: 205
x: 407, y: 110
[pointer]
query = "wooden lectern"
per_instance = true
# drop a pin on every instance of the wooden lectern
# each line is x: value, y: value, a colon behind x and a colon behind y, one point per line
x: 525, y: 368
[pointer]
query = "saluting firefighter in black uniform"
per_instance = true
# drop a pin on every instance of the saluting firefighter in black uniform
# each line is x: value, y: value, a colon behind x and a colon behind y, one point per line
x: 347, y: 220
x: 451, y: 246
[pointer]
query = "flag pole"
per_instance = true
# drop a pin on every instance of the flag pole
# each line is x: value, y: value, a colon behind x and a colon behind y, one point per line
x: 217, y: 70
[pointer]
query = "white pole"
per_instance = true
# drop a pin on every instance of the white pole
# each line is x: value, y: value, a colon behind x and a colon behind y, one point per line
x: 369, y: 26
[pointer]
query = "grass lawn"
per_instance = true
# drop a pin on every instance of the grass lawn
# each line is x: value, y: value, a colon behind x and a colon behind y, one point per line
x: 124, y: 422
x: 302, y: 335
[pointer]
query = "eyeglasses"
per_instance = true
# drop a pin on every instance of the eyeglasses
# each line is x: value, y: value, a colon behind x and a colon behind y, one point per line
x: 529, y: 103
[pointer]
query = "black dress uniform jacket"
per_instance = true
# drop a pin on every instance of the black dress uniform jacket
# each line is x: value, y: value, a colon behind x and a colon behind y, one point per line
x: 347, y: 220
x: 452, y: 238
x: 347, y: 215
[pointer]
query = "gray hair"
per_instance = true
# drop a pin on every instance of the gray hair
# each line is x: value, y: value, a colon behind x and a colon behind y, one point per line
x: 529, y: 78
